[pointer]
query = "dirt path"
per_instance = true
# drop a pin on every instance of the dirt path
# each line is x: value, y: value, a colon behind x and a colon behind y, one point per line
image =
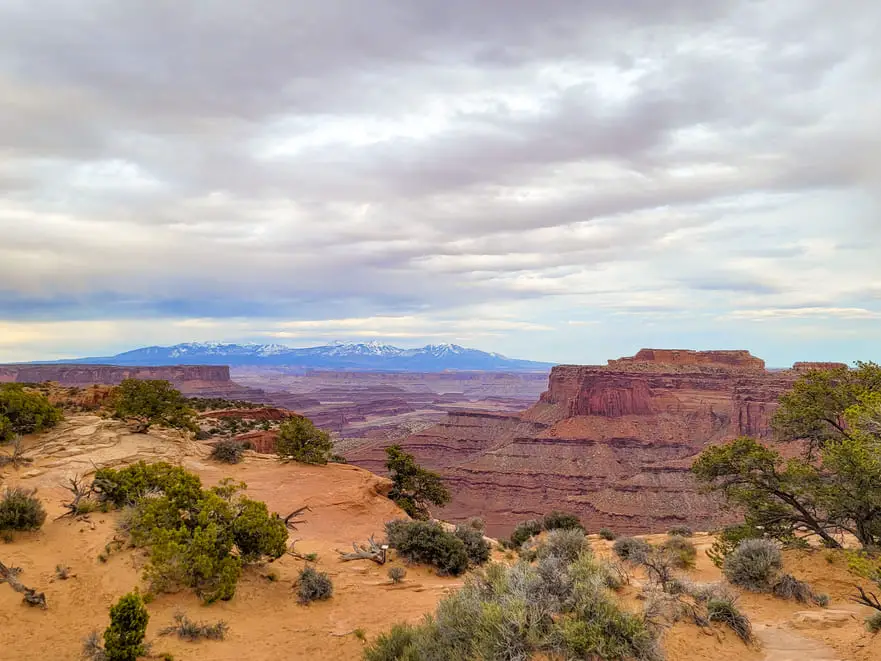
x: 781, y: 644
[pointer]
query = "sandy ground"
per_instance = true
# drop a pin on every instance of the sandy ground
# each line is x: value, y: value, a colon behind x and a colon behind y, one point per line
x: 267, y: 623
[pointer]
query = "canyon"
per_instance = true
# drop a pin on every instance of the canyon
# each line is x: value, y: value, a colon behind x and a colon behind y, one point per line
x: 612, y: 443
x: 357, y: 406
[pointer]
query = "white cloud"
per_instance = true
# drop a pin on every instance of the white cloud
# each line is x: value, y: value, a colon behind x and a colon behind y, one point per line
x: 519, y: 176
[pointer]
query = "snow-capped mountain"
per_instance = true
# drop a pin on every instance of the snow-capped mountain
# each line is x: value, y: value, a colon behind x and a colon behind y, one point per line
x: 339, y: 355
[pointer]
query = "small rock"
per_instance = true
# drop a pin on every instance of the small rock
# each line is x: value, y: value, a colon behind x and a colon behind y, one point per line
x: 825, y: 619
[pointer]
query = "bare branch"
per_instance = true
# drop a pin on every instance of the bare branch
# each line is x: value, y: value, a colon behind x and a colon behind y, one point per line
x: 870, y: 599
x: 31, y: 596
x: 370, y: 551
x: 17, y: 457
x: 290, y: 521
x: 79, y: 490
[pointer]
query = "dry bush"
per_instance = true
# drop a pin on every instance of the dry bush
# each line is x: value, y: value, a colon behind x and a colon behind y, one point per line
x: 754, y: 564
x: 789, y: 587
x: 185, y: 629
x: 631, y: 549
x: 20, y: 509
x: 397, y: 574
x: 682, y: 551
x: 313, y: 585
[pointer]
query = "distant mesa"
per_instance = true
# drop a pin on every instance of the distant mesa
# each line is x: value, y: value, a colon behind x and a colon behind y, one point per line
x: 373, y: 356
x: 737, y: 359
x: 191, y: 380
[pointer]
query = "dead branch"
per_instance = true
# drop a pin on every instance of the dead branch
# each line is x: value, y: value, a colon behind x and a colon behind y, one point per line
x: 294, y: 552
x: 870, y: 599
x: 79, y: 491
x: 31, y: 597
x: 370, y: 551
x: 290, y: 521
x: 17, y: 457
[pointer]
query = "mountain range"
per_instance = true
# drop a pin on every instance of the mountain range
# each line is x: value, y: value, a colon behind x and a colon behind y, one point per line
x: 341, y: 355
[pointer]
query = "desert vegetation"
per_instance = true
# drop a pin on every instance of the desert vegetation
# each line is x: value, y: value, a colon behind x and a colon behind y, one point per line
x: 413, y: 487
x: 124, y: 638
x: 428, y: 543
x: 313, y: 585
x: 24, y: 411
x: 198, y: 538
x: 152, y: 402
x: 300, y: 440
x: 20, y: 509
x: 556, y: 520
x: 229, y: 451
x: 557, y: 606
x: 831, y: 487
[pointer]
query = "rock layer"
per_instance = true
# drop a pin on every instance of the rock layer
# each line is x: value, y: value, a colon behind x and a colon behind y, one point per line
x: 613, y: 443
x: 201, y: 380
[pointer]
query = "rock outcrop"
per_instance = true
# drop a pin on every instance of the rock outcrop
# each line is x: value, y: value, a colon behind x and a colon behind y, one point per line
x: 613, y: 442
x: 199, y: 380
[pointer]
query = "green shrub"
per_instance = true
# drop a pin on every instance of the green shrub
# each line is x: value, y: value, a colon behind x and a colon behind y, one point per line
x: 229, y: 451
x: 605, y: 632
x: 128, y: 485
x: 607, y: 534
x: 728, y: 539
x: 873, y: 622
x: 428, y: 543
x: 680, y: 531
x: 754, y: 564
x: 256, y: 533
x: 20, y: 509
x: 564, y: 543
x: 399, y: 644
x: 476, y: 547
x: 196, y: 538
x: 682, y: 552
x: 413, y: 488
x: 724, y: 610
x: 124, y: 638
x: 631, y: 549
x: 561, y: 521
x: 300, y: 440
x: 553, y: 608
x: 152, y: 402
x: 524, y: 531
x: 24, y: 412
x: 313, y: 585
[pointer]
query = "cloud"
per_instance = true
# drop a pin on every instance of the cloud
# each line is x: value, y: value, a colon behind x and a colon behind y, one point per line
x: 802, y: 313
x: 316, y: 162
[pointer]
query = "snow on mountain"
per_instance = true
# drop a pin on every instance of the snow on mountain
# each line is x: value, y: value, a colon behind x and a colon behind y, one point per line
x: 373, y: 355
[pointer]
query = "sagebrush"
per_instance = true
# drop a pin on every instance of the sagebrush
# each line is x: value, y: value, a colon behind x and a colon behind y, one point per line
x: 20, y: 509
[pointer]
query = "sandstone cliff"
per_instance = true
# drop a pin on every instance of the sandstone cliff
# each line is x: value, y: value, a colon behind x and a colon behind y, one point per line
x: 613, y: 443
x: 201, y: 380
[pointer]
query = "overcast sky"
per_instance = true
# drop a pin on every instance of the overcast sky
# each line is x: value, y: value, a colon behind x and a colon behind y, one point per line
x: 566, y: 180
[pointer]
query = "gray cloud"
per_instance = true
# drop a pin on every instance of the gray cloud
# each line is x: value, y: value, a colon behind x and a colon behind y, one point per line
x: 327, y: 160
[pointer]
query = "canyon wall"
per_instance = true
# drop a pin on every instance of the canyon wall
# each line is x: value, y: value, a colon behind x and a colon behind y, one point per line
x: 613, y: 443
x: 194, y: 380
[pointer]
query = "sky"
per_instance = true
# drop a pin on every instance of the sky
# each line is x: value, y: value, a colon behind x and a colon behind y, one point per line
x: 567, y: 180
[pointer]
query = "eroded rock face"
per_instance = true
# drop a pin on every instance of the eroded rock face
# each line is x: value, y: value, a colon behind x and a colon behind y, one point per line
x: 201, y: 380
x: 613, y: 443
